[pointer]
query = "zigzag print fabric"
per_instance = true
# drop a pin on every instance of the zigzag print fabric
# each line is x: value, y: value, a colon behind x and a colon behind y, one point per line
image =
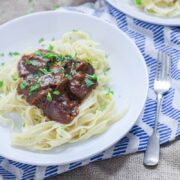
x: 149, y: 39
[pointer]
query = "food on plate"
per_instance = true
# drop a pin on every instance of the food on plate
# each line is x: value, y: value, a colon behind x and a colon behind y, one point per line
x: 56, y: 84
x: 163, y: 8
x: 58, y: 93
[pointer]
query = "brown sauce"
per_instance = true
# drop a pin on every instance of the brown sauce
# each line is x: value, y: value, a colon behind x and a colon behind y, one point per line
x: 56, y: 84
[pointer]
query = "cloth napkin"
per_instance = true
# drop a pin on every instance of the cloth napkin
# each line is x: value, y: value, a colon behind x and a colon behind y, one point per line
x: 149, y: 38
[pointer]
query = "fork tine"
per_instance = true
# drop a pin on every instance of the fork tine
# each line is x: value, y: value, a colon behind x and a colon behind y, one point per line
x: 164, y: 65
x: 159, y: 66
x: 167, y: 66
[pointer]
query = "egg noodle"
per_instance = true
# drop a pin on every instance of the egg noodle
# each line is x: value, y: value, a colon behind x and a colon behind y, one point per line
x: 96, y: 113
x: 166, y: 8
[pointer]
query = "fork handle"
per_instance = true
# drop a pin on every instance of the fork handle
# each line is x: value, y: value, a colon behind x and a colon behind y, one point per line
x: 151, y: 157
x: 158, y: 109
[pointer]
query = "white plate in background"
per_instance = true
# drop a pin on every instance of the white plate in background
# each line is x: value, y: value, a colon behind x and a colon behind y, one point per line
x: 128, y: 7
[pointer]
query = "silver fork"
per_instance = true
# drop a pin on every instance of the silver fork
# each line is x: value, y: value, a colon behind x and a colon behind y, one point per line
x: 161, y: 86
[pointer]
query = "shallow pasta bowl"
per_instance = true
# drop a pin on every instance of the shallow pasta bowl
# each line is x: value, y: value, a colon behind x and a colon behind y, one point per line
x: 128, y: 71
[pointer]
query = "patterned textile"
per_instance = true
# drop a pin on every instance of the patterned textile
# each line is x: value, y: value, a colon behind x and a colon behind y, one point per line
x: 149, y: 38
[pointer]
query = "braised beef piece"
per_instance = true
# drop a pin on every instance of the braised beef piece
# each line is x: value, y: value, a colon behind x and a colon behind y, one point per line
x: 85, y: 67
x: 30, y: 64
x: 57, y: 87
x: 69, y: 66
x: 62, y: 109
x: 78, y: 86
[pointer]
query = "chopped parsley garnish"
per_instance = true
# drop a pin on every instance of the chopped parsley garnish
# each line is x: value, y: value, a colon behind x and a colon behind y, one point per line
x: 33, y: 63
x: 1, y: 84
x: 33, y: 88
x: 50, y: 47
x: 60, y: 58
x: 68, y: 76
x: 93, y: 77
x: 68, y: 57
x: 23, y: 85
x: 63, y: 127
x: 2, y: 54
x: 62, y: 70
x: 51, y: 70
x: 43, y: 70
x: 14, y: 53
x: 50, y: 56
x: 75, y: 30
x: 56, y: 92
x: 103, y: 106
x: 73, y: 73
x: 138, y: 2
x: 41, y: 40
x: 15, y: 77
x: 109, y: 91
x: 49, y: 97
x: 89, y: 83
x: 38, y: 53
x: 106, y: 70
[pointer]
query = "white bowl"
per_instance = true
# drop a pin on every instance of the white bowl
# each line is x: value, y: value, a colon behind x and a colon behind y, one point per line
x: 128, y: 69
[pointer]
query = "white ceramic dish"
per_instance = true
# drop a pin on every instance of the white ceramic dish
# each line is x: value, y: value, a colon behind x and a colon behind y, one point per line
x: 128, y: 69
x: 128, y: 7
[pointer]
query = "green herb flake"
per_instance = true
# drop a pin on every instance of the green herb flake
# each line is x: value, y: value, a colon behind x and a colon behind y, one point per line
x: 15, y: 53
x: 73, y: 73
x: 109, y: 91
x: 23, y: 85
x: 15, y: 77
x: 63, y: 127
x: 138, y: 2
x: 2, y: 54
x: 43, y: 70
x: 41, y: 40
x: 75, y: 30
x: 51, y: 70
x: 68, y: 76
x: 56, y: 92
x: 106, y: 70
x: 33, y: 63
x: 50, y: 47
x: 89, y: 83
x: 38, y: 53
x: 34, y: 88
x: 49, y: 97
x: 62, y: 70
x: 50, y: 56
x: 68, y: 57
x: 103, y: 106
x: 93, y: 77
x: 60, y: 58
x: 1, y: 84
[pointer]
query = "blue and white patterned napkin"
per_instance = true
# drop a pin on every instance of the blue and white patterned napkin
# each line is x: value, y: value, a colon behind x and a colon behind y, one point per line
x: 149, y: 38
